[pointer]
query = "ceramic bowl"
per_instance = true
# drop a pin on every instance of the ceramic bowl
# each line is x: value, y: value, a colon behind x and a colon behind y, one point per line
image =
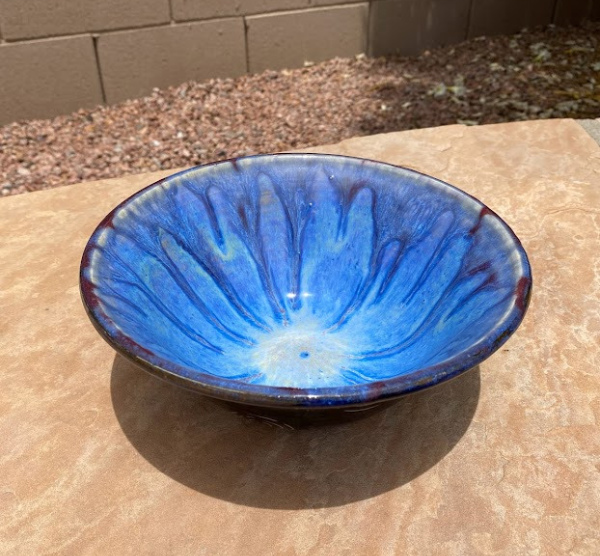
x: 304, y: 281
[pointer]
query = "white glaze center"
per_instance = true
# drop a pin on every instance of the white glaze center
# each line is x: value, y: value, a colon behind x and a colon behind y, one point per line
x: 299, y: 354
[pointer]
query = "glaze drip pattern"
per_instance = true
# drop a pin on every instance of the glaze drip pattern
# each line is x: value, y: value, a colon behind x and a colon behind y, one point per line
x: 304, y: 271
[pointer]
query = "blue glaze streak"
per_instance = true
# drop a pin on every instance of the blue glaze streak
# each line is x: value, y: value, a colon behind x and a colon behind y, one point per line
x: 304, y: 271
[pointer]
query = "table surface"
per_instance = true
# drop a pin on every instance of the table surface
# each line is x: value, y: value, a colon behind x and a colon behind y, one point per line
x: 97, y: 457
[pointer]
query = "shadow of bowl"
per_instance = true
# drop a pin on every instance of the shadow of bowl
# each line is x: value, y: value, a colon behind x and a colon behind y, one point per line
x: 237, y: 458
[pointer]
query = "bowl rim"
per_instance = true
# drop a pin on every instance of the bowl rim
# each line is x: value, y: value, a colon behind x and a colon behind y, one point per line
x: 305, y: 398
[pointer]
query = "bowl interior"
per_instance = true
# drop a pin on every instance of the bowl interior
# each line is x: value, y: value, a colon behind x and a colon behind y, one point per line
x: 305, y: 272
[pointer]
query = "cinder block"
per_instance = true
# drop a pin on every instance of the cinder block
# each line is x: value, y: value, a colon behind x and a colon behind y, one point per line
x: 495, y: 17
x: 132, y: 63
x: 572, y: 12
x: 184, y: 10
x: 288, y: 39
x: 45, y: 78
x: 316, y: 3
x: 408, y: 27
x: 24, y: 19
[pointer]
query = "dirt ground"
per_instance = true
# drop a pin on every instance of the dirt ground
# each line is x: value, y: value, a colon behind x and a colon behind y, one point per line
x: 548, y: 73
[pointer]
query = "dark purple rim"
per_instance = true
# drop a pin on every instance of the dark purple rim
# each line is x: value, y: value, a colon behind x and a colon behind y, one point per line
x: 278, y: 396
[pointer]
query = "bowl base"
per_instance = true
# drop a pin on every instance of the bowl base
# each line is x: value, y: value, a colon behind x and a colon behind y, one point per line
x: 293, y: 418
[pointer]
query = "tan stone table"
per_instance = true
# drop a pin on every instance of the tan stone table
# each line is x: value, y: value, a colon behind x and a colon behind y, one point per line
x: 96, y: 457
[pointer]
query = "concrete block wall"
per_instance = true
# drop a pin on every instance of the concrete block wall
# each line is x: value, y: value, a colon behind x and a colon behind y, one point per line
x: 57, y: 56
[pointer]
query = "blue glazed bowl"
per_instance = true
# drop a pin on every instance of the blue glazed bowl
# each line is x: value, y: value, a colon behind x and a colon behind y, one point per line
x: 304, y: 281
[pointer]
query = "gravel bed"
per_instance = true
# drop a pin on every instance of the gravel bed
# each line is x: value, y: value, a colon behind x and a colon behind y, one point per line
x: 549, y: 73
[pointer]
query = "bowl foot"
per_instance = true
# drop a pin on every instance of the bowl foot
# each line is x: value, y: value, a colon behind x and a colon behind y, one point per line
x: 301, y: 418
